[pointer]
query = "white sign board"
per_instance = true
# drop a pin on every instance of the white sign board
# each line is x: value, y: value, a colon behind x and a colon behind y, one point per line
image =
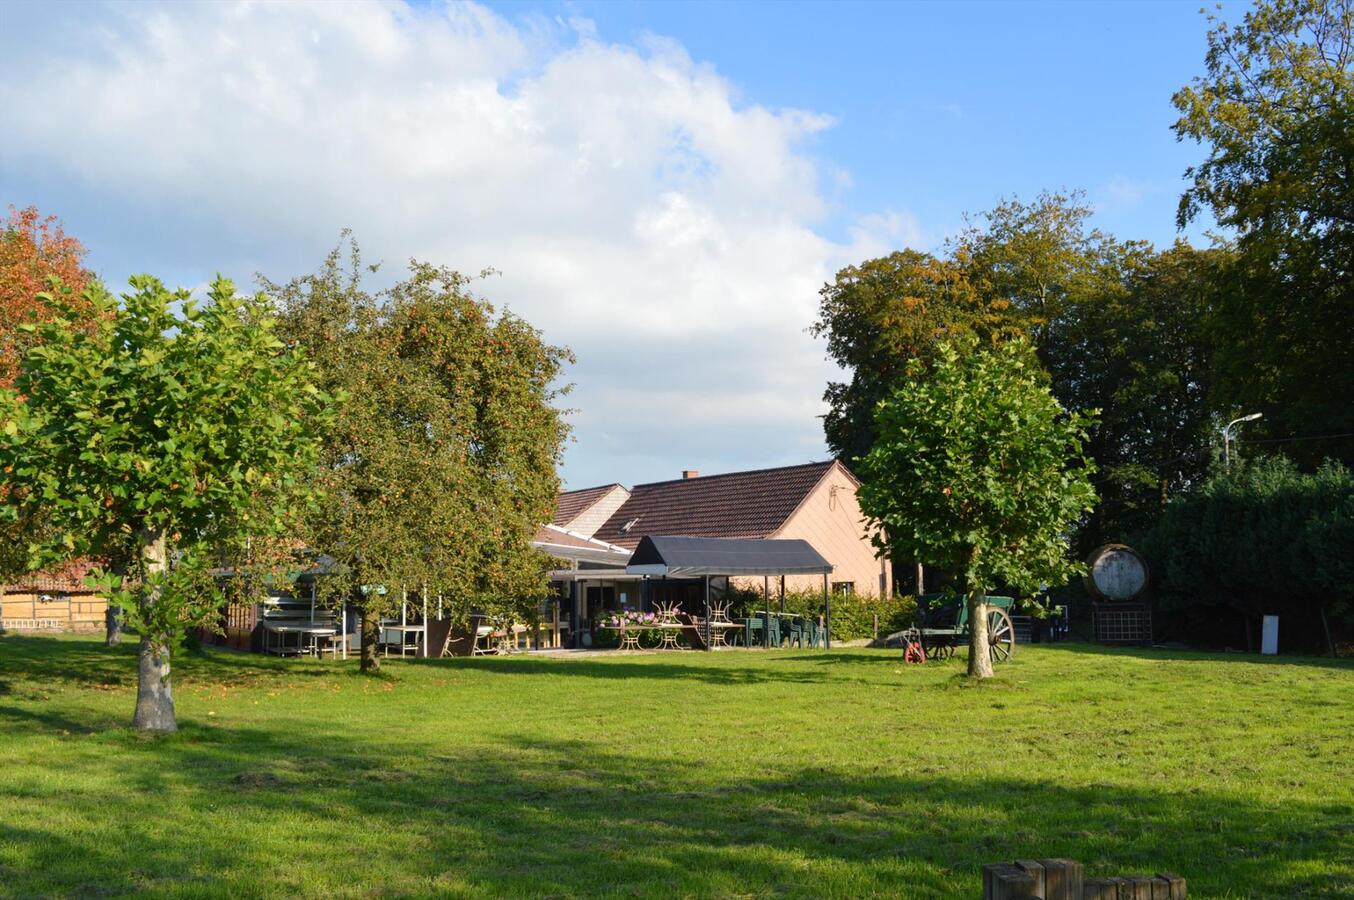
x: 1269, y: 636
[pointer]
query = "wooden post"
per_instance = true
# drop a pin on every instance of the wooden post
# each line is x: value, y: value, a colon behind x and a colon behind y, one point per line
x: 1170, y: 887
x: 1035, y: 870
x: 1063, y: 879
x: 1099, y: 889
x: 1004, y: 881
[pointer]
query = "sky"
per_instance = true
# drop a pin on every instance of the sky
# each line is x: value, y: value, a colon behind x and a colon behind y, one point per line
x: 661, y: 187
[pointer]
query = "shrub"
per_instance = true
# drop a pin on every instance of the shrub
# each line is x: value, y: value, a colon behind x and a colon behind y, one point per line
x: 1265, y: 539
x: 852, y: 616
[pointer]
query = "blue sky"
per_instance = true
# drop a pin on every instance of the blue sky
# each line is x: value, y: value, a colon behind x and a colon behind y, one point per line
x: 662, y: 187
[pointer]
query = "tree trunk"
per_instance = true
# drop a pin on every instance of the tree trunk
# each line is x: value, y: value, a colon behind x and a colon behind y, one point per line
x: 112, y: 621
x: 1325, y: 627
x: 371, y: 634
x: 979, y: 654
x: 112, y: 617
x: 154, y: 697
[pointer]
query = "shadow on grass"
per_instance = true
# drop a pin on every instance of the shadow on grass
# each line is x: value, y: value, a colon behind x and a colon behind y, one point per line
x: 89, y: 663
x: 252, y: 810
x: 557, y: 816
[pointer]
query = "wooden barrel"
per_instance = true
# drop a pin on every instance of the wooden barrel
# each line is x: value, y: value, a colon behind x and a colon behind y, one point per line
x: 1115, y: 573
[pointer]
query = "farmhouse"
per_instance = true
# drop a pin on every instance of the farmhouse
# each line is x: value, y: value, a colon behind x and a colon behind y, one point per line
x: 596, y: 529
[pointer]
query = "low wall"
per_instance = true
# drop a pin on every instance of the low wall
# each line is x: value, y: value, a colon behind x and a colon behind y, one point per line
x: 29, y: 611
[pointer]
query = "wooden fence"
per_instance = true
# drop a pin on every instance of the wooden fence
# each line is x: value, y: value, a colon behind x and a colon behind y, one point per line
x: 34, y: 611
x: 1064, y: 879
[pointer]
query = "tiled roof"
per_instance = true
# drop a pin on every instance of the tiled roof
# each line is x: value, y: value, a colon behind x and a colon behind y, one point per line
x: 67, y: 578
x: 557, y: 536
x: 738, y: 504
x: 572, y: 504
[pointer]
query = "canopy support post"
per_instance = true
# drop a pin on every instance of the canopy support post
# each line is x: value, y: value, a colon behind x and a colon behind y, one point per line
x: 707, y: 612
x: 766, y: 610
x: 827, y: 616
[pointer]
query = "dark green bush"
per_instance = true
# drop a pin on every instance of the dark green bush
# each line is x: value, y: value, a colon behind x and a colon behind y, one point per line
x: 1265, y: 539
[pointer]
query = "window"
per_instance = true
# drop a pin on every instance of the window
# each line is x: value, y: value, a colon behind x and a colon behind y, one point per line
x: 843, y: 588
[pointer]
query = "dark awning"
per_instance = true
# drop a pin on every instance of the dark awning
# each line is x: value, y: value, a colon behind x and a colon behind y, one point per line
x: 693, y: 557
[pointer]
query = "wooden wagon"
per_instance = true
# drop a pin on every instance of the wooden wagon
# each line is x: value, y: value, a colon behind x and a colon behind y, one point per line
x: 945, y: 625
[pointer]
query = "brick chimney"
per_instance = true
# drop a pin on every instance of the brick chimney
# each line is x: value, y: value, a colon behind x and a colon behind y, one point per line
x: 690, y: 473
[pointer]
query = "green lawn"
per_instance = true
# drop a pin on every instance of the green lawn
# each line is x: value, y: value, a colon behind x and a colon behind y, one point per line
x: 729, y: 774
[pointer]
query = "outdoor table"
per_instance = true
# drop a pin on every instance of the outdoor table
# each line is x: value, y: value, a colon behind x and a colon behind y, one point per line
x: 668, y: 632
x: 305, y: 632
x: 404, y: 631
x: 629, y: 636
x: 719, y: 632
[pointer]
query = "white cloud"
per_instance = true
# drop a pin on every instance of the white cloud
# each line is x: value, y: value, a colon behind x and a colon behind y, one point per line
x: 1122, y: 193
x: 637, y: 210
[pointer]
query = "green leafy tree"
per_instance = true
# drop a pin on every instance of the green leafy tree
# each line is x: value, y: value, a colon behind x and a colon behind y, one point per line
x: 441, y: 462
x: 879, y: 316
x: 1275, y: 111
x: 1142, y: 352
x: 1043, y: 263
x: 162, y: 435
x: 1119, y: 326
x: 978, y: 469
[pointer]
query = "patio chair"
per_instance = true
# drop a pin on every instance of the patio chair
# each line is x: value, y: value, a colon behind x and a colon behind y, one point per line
x: 795, y: 631
x: 482, y: 637
x: 753, y: 627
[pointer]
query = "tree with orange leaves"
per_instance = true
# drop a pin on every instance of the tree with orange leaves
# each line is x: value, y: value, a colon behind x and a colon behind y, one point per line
x: 33, y: 248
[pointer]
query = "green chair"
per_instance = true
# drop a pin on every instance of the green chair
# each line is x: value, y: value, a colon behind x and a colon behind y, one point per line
x: 753, y: 631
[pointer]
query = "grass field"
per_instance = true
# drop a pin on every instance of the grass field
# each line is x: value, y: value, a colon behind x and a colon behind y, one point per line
x: 729, y: 774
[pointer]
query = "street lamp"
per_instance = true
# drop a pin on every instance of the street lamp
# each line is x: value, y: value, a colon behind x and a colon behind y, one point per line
x: 1227, y: 439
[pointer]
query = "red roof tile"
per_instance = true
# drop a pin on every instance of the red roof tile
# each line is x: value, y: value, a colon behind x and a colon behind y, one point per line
x: 67, y: 578
x: 737, y: 504
x: 572, y: 504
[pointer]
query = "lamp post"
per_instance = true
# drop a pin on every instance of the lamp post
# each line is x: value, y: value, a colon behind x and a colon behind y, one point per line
x: 1227, y: 439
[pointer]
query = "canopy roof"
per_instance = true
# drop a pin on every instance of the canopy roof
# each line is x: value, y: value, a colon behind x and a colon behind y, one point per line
x: 693, y: 557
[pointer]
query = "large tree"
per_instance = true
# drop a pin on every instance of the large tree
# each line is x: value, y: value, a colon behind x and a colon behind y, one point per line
x: 33, y: 248
x: 979, y: 469
x: 1275, y: 111
x: 163, y: 433
x: 1120, y: 327
x: 441, y: 462
x: 880, y: 315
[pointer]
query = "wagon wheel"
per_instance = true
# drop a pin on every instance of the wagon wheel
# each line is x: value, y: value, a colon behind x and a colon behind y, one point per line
x: 937, y: 648
x: 1000, y: 635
